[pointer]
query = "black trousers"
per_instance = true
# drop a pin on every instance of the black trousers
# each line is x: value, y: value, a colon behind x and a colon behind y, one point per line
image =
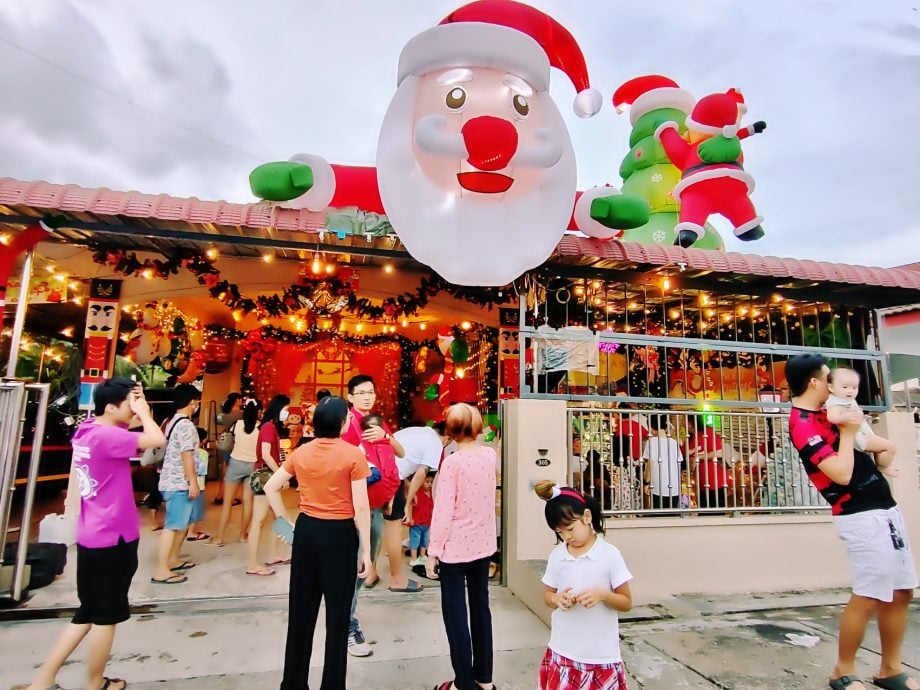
x: 714, y: 498
x: 470, y: 641
x: 324, y: 565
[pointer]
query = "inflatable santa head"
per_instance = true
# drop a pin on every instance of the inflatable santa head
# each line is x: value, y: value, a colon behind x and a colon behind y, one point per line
x: 475, y: 165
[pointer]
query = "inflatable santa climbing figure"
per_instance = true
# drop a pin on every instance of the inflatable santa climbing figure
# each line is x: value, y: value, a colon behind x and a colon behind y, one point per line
x: 713, y: 179
x: 475, y: 167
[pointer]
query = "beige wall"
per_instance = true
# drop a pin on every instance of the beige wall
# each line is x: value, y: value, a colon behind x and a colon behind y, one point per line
x: 672, y: 556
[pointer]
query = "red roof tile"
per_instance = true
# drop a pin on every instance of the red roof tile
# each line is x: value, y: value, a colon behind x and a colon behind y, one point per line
x: 733, y: 262
x: 106, y: 202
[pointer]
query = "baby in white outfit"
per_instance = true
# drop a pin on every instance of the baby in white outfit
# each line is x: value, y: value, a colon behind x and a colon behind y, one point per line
x: 843, y: 383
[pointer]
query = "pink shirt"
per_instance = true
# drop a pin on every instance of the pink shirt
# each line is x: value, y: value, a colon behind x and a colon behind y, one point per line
x: 463, y: 524
x: 101, y: 461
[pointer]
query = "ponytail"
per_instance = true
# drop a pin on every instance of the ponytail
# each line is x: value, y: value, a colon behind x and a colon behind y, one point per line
x: 565, y: 505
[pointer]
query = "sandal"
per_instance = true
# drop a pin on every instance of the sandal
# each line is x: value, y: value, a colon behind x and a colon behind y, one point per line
x: 262, y: 572
x: 844, y: 682
x: 198, y: 536
x: 898, y: 682
x: 371, y: 585
x: 411, y: 587
x: 186, y: 565
x: 447, y: 685
x: 279, y: 561
x: 171, y: 580
x: 107, y: 685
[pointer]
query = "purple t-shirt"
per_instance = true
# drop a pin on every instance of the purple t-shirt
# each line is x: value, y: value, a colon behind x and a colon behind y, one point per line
x: 101, y: 459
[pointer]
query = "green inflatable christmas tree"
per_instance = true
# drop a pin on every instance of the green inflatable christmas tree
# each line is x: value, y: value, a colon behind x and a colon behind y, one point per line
x: 646, y: 171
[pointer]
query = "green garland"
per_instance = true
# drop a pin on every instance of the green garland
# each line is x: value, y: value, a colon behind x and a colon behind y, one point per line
x: 293, y: 297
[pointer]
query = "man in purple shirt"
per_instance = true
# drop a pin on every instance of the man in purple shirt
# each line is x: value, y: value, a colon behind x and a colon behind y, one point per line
x: 107, y: 531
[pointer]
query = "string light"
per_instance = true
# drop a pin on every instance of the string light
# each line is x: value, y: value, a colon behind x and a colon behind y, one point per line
x: 268, y: 258
x: 359, y: 327
x: 466, y: 325
x: 404, y: 322
x: 422, y: 326
x: 212, y: 254
x: 5, y: 238
x: 388, y: 268
x: 147, y: 273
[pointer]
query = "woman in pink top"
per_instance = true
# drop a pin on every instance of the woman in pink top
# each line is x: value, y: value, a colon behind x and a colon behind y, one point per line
x: 461, y: 541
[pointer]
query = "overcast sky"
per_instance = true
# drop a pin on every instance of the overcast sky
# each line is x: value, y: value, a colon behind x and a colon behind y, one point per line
x: 184, y: 98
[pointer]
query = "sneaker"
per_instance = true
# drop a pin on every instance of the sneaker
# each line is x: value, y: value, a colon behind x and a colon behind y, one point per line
x: 357, y: 645
x: 418, y: 561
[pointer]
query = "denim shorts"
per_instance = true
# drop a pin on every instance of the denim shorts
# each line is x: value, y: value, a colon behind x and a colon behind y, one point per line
x: 197, y: 508
x: 418, y: 537
x: 178, y: 510
x: 238, y: 471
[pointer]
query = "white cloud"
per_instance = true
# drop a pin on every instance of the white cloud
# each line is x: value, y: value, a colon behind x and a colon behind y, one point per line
x: 218, y: 85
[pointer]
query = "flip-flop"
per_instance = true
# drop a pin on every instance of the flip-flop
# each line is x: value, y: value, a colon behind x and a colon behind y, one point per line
x: 171, y: 580
x: 183, y: 566
x: 199, y: 536
x: 843, y: 682
x: 108, y: 684
x: 444, y: 686
x: 216, y: 543
x: 371, y: 585
x: 280, y: 561
x: 411, y: 588
x: 261, y: 573
x: 898, y: 682
x: 154, y: 529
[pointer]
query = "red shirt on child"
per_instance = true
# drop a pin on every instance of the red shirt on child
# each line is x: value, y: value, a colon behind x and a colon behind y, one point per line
x: 424, y: 507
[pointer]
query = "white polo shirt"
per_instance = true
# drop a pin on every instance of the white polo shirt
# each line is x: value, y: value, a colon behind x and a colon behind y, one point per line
x: 589, y: 636
x: 423, y: 447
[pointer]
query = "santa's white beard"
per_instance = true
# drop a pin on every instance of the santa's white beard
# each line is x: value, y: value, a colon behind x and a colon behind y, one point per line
x: 470, y: 238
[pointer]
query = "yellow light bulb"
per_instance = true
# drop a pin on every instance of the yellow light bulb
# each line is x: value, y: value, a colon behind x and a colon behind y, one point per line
x: 212, y: 253
x: 404, y: 323
x: 267, y: 258
x: 359, y: 327
x: 422, y: 326
x: 466, y: 325
x: 388, y: 268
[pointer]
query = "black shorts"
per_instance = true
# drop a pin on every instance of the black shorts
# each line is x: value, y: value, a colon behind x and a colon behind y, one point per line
x: 399, y: 504
x: 103, y: 580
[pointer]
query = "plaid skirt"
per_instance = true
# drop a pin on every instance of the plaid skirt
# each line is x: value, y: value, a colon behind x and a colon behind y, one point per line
x: 559, y: 673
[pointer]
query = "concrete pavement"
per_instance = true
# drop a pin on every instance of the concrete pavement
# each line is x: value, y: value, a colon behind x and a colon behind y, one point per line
x: 738, y: 643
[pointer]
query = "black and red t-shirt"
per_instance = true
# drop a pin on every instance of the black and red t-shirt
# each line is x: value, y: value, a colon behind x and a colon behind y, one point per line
x: 817, y: 439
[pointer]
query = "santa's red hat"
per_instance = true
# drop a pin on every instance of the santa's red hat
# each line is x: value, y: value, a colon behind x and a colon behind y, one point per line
x: 650, y: 92
x: 502, y: 34
x: 718, y: 113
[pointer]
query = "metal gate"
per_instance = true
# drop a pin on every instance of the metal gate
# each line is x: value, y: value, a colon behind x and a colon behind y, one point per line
x: 15, y: 398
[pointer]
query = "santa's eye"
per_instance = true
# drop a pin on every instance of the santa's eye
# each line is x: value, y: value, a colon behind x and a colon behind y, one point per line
x: 456, y: 98
x: 520, y: 105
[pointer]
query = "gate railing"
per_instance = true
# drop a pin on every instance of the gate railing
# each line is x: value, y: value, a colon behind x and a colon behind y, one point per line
x: 15, y: 397
x: 670, y: 462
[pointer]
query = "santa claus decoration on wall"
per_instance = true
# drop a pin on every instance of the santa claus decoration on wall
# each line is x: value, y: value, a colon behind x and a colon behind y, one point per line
x: 475, y: 167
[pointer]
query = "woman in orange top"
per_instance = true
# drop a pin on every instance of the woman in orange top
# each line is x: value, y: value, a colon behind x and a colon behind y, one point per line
x: 334, y: 515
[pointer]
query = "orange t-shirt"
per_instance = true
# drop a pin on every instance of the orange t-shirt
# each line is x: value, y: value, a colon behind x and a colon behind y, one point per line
x: 325, y: 469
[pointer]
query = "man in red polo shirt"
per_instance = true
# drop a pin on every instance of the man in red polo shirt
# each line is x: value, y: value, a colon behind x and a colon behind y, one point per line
x: 868, y: 522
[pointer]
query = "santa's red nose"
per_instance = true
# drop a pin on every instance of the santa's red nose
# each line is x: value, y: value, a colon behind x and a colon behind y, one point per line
x: 490, y: 141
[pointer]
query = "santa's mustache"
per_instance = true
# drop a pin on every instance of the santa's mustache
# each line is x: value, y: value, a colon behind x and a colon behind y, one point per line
x: 431, y: 137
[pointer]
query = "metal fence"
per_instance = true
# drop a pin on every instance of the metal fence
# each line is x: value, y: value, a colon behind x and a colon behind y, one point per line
x: 579, y: 364
x: 669, y: 462
x: 15, y: 398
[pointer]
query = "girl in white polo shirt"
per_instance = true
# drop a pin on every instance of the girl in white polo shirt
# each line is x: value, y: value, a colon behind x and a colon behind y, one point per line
x: 587, y: 582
